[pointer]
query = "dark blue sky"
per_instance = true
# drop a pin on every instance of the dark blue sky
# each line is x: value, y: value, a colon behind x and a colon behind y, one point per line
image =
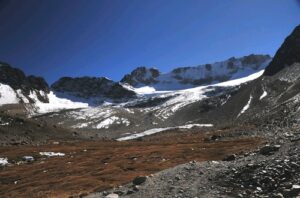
x: 55, y: 38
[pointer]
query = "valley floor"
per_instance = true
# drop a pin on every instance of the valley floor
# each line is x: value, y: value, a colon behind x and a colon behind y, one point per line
x: 94, y: 166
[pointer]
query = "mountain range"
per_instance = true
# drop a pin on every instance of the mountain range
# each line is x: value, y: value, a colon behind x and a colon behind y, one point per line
x: 254, y: 96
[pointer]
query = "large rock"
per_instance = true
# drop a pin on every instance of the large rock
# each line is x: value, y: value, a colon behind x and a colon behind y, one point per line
x: 269, y: 150
x: 139, y: 180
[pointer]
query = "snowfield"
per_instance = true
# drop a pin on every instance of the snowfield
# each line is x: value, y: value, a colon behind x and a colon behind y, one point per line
x: 9, y: 96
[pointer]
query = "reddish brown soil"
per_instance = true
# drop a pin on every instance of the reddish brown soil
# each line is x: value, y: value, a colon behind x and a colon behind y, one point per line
x: 97, y: 165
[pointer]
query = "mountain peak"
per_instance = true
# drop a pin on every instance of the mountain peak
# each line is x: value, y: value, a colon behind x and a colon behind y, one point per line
x: 142, y: 75
x: 288, y: 53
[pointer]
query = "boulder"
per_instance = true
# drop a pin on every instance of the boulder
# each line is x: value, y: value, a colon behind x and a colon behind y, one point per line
x: 139, y: 180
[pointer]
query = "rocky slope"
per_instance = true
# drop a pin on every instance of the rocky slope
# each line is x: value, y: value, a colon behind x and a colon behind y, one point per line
x: 187, y: 77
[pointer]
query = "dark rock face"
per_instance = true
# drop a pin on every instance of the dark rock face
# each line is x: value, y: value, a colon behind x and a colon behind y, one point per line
x: 89, y: 87
x: 19, y: 81
x: 141, y: 75
x: 287, y: 54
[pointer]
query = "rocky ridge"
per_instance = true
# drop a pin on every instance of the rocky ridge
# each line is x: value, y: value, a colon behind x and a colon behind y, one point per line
x: 187, y: 77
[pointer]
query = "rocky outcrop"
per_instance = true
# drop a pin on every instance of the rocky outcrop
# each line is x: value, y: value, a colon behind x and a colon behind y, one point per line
x: 90, y: 88
x: 287, y: 54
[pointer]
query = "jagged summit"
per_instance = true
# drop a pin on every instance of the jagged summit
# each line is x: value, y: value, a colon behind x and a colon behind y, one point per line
x: 287, y: 54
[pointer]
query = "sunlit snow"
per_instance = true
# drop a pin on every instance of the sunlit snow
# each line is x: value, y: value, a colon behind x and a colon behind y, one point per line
x: 263, y: 95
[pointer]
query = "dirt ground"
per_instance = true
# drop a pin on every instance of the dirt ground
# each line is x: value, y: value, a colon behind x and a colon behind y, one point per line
x: 91, y: 166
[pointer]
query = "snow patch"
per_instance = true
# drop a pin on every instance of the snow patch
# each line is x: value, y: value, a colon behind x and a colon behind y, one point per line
x: 246, y: 107
x: 263, y: 95
x: 157, y: 130
x: 144, y: 90
x: 52, y: 154
x: 3, y: 161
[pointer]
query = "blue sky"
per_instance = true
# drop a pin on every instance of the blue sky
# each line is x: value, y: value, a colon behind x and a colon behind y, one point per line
x: 55, y: 38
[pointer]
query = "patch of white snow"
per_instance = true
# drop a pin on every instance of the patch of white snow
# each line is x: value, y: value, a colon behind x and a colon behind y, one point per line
x: 263, y: 95
x: 157, y: 130
x: 246, y: 107
x: 3, y: 161
x: 52, y: 154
